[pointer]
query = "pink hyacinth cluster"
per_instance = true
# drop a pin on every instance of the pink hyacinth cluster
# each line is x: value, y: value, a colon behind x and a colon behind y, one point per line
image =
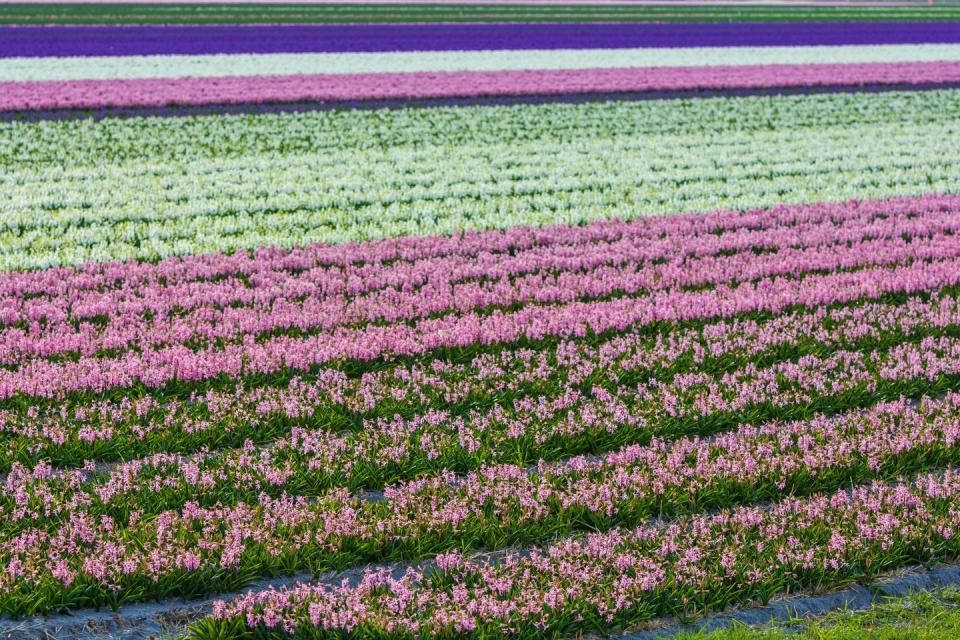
x: 144, y: 92
x: 189, y: 425
x: 69, y: 524
x: 627, y: 575
x: 545, y: 386
x: 261, y: 323
x: 322, y: 299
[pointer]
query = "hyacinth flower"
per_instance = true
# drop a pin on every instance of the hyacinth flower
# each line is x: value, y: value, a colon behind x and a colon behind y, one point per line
x: 78, y: 541
x: 625, y: 576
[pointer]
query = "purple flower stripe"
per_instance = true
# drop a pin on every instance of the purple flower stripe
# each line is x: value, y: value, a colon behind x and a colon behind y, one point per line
x: 21, y: 96
x: 211, y: 39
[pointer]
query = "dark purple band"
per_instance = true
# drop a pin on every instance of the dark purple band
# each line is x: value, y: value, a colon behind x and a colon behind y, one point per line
x: 36, y: 41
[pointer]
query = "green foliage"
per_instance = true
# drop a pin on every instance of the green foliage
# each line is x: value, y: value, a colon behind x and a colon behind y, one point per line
x: 925, y: 615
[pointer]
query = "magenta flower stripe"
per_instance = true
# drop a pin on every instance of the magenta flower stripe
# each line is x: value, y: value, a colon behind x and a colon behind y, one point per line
x: 447, y: 307
x: 19, y: 96
x: 540, y: 276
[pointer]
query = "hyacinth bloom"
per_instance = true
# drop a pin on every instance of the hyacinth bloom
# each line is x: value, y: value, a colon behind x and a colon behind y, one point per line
x: 624, y: 575
x: 555, y: 345
x: 482, y: 448
x: 572, y: 300
x: 552, y: 381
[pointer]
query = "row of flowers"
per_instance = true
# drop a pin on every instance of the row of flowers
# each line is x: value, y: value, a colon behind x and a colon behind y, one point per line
x: 625, y: 576
x: 103, y: 547
x: 237, y: 307
x: 154, y: 210
x: 680, y: 474
x: 353, y: 420
x: 290, y: 353
x: 154, y: 39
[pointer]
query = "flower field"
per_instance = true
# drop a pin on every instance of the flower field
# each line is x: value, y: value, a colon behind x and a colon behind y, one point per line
x: 500, y: 320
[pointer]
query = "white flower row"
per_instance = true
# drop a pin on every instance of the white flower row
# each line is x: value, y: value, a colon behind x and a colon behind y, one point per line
x: 87, y: 142
x: 146, y: 209
x: 182, y: 66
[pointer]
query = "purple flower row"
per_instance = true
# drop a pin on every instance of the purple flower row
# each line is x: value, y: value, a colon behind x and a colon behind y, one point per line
x: 218, y: 39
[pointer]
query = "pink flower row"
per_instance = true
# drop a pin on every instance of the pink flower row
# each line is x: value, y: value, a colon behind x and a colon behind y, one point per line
x: 15, y: 96
x: 157, y: 367
x: 625, y: 576
x: 549, y: 275
x: 564, y: 369
x: 323, y: 458
x: 748, y: 455
x: 363, y: 267
x: 436, y: 383
x: 630, y: 483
